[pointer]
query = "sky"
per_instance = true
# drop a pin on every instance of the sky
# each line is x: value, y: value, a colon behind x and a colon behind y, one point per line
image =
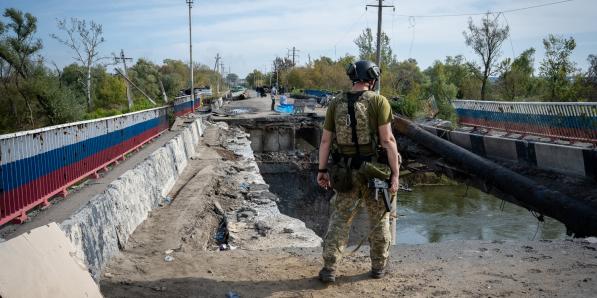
x: 249, y: 34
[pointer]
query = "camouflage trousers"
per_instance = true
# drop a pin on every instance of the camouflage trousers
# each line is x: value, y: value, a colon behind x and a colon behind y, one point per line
x: 345, y: 206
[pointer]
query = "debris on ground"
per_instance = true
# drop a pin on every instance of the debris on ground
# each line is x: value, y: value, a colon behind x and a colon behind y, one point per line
x: 168, y: 258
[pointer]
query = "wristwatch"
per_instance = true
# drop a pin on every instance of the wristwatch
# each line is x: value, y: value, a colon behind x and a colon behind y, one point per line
x: 322, y: 170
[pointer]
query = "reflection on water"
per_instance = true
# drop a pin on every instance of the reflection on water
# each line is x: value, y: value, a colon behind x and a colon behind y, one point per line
x: 443, y: 213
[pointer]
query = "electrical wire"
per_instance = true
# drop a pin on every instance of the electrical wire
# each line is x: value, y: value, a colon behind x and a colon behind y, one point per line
x: 483, y: 13
x: 412, y: 23
x: 509, y: 35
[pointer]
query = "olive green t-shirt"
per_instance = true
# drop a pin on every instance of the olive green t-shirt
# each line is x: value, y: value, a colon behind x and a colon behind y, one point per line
x: 379, y: 111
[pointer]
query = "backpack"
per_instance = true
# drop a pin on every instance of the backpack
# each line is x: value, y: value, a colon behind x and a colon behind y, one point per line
x: 344, y: 120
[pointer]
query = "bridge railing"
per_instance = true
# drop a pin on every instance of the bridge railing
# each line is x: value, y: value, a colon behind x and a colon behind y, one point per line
x: 572, y: 121
x: 38, y: 164
x: 183, y: 105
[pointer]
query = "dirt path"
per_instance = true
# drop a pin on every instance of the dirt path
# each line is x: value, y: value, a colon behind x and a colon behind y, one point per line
x: 455, y: 269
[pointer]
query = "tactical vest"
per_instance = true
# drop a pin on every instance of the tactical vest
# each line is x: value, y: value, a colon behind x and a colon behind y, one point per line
x: 352, y: 123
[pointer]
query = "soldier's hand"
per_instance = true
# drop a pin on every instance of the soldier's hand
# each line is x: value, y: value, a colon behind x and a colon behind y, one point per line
x: 394, y: 184
x: 323, y: 179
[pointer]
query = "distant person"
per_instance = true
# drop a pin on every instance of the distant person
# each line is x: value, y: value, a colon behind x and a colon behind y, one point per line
x: 353, y: 124
x: 262, y: 91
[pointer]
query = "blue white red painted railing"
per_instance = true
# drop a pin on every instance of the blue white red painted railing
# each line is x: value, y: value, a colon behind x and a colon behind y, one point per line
x: 38, y: 164
x: 573, y: 121
x: 183, y: 105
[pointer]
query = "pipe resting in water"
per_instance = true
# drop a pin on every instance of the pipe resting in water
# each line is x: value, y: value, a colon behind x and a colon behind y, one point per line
x: 580, y: 217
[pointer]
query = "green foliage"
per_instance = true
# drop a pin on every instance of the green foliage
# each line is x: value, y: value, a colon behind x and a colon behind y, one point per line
x: 366, y: 44
x: 410, y: 105
x: 442, y: 90
x: 486, y: 41
x: 516, y: 77
x: 556, y: 67
x: 110, y: 92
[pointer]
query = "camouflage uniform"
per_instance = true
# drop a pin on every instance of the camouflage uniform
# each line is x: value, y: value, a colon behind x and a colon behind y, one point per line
x: 370, y: 114
x: 345, y: 206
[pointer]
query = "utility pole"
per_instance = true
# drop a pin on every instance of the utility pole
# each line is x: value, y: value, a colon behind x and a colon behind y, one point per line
x: 217, y: 70
x: 223, y: 70
x: 294, y: 55
x: 123, y: 59
x: 190, y: 3
x: 380, y: 7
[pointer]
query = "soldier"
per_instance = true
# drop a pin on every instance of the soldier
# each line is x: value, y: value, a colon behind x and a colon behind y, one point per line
x: 353, y: 125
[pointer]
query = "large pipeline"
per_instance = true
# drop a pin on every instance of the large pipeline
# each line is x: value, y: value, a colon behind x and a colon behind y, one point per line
x: 579, y: 217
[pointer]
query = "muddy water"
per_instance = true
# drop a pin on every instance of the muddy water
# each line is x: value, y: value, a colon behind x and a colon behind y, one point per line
x: 444, y: 213
x: 427, y: 214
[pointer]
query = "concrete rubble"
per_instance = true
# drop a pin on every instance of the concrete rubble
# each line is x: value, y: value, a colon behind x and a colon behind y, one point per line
x: 258, y: 223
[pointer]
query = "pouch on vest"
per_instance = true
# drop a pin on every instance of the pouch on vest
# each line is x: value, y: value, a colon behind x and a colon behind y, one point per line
x: 375, y: 170
x: 341, y: 176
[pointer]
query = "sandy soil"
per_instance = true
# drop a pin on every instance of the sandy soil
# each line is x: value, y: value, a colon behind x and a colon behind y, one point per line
x: 454, y: 269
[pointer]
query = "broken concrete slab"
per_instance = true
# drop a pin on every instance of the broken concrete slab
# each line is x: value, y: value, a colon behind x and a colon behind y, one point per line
x: 42, y: 263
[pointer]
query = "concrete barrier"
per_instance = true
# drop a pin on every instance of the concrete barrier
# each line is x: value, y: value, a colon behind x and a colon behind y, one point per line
x: 102, y: 227
x: 559, y: 158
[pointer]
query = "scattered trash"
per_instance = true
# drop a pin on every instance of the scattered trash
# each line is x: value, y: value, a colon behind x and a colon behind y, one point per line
x: 262, y: 228
x: 167, y: 200
x: 232, y: 294
x: 223, y: 247
x: 168, y: 252
x: 244, y: 186
x: 405, y: 188
x: 168, y: 258
x: 246, y: 213
x: 159, y: 289
x: 108, y: 275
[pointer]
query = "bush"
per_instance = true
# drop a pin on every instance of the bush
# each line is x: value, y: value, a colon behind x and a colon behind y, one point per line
x: 409, y: 105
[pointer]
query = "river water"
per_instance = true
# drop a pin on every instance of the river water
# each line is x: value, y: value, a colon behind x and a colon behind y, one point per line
x: 444, y: 213
x: 427, y: 214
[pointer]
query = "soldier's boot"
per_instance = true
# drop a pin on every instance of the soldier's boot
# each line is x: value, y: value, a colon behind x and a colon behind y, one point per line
x: 327, y: 275
x: 378, y: 273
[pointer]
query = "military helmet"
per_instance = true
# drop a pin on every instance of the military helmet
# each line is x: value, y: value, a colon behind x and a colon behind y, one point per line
x: 363, y: 70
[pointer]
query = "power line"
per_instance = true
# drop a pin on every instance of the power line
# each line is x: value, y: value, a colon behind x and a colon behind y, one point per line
x: 483, y: 13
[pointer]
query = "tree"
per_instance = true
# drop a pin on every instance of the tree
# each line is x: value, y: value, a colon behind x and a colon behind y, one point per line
x: 592, y: 71
x: 442, y: 90
x: 144, y: 75
x: 464, y: 76
x: 255, y: 78
x: 84, y: 40
x: 516, y: 76
x: 486, y: 41
x: 174, y: 75
x: 403, y: 77
x: 16, y: 51
x: 367, y: 48
x: 281, y: 68
x: 556, y: 67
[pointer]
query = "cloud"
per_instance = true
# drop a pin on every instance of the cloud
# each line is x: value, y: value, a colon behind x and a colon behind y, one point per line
x: 250, y: 33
